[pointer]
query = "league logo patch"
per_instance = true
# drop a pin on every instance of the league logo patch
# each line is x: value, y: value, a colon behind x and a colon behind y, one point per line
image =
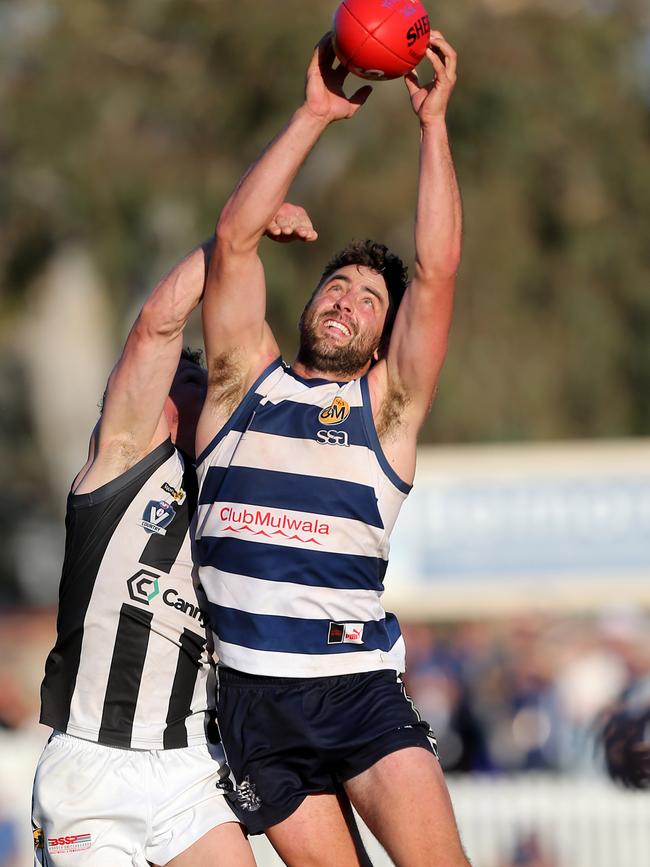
x: 335, y: 413
x: 345, y: 633
x: 158, y: 515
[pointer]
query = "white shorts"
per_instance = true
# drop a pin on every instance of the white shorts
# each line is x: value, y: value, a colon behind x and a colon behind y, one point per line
x: 98, y: 806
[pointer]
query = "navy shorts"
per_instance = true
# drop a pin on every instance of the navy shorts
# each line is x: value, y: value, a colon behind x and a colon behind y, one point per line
x: 286, y: 738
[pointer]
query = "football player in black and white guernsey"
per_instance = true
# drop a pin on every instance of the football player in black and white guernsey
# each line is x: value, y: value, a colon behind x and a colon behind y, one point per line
x: 134, y: 773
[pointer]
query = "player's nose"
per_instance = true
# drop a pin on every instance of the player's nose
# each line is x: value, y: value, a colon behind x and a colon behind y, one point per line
x: 344, y: 303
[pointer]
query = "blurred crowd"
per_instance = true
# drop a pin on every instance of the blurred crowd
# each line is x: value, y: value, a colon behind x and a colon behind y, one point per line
x: 529, y: 693
x: 503, y: 696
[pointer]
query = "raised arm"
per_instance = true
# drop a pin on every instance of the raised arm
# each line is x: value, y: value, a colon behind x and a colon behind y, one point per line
x: 238, y: 342
x: 419, y: 340
x: 132, y: 421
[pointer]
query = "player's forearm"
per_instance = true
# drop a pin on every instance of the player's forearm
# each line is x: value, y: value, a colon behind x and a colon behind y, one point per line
x: 167, y: 309
x: 264, y: 187
x: 438, y: 223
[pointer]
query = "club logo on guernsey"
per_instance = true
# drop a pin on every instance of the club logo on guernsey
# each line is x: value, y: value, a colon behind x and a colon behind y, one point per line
x: 247, y: 797
x: 262, y: 522
x: 335, y: 413
x: 157, y: 515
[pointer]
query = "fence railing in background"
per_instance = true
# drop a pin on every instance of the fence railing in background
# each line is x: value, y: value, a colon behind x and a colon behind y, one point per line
x: 579, y: 822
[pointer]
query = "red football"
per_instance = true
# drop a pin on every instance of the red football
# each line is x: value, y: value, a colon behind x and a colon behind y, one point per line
x: 381, y: 39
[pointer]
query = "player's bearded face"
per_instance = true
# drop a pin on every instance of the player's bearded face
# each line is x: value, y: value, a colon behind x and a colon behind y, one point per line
x: 319, y: 351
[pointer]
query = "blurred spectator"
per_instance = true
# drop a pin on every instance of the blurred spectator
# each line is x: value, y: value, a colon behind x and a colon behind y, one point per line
x: 13, y: 708
x: 528, y: 852
x: 8, y: 841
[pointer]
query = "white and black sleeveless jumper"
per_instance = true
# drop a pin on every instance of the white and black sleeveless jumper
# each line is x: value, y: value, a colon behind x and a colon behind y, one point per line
x: 132, y: 666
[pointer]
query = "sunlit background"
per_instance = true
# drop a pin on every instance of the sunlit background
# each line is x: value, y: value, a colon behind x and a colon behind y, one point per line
x: 521, y: 562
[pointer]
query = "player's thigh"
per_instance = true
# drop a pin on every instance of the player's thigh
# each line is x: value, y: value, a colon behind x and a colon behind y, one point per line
x: 315, y: 835
x: 79, y: 812
x: 403, y: 798
x: 224, y: 846
x: 192, y: 822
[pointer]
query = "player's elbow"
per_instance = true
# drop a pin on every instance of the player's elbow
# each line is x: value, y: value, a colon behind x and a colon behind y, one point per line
x: 159, y: 319
x: 442, y: 267
x: 232, y: 238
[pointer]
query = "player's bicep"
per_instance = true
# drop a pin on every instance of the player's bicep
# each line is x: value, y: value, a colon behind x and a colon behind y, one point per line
x: 138, y: 386
x: 418, y: 343
x: 234, y: 306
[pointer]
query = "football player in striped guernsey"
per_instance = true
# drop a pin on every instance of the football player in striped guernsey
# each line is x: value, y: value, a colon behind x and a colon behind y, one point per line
x: 302, y: 471
x: 134, y: 773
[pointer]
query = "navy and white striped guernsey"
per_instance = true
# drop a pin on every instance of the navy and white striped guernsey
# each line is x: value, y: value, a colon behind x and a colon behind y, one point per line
x: 296, y: 505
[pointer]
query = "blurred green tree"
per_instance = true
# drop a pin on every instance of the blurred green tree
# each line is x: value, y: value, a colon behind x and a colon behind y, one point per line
x: 125, y: 126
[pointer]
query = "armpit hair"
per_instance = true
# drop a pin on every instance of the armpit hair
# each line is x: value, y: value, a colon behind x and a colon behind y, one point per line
x: 225, y: 382
x: 123, y: 452
x: 391, y: 414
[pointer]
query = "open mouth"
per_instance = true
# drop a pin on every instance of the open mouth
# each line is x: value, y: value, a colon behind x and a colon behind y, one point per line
x: 334, y: 324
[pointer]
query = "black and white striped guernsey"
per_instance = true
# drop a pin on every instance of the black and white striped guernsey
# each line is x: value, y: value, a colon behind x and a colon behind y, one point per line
x: 131, y: 666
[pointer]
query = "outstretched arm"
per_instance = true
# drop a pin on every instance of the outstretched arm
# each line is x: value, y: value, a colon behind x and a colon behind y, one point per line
x: 238, y: 343
x: 419, y: 340
x: 131, y: 423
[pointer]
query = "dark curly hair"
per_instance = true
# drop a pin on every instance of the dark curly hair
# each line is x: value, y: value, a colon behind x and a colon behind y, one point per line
x: 378, y: 258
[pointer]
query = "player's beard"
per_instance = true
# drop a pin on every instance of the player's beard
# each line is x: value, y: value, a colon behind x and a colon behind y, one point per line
x: 320, y: 354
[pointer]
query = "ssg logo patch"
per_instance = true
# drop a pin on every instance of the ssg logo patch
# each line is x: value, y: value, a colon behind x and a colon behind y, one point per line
x: 333, y: 437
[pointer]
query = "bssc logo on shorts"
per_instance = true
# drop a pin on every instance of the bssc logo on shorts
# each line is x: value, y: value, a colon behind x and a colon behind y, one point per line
x: 345, y: 633
x: 69, y: 843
